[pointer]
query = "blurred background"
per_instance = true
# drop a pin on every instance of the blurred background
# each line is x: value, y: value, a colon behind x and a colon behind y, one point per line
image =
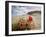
x: 23, y: 12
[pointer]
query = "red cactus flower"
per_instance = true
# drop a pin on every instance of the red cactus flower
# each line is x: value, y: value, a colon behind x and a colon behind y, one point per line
x: 30, y: 18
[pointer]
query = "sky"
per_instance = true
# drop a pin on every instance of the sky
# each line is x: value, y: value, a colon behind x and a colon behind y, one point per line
x: 22, y: 10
